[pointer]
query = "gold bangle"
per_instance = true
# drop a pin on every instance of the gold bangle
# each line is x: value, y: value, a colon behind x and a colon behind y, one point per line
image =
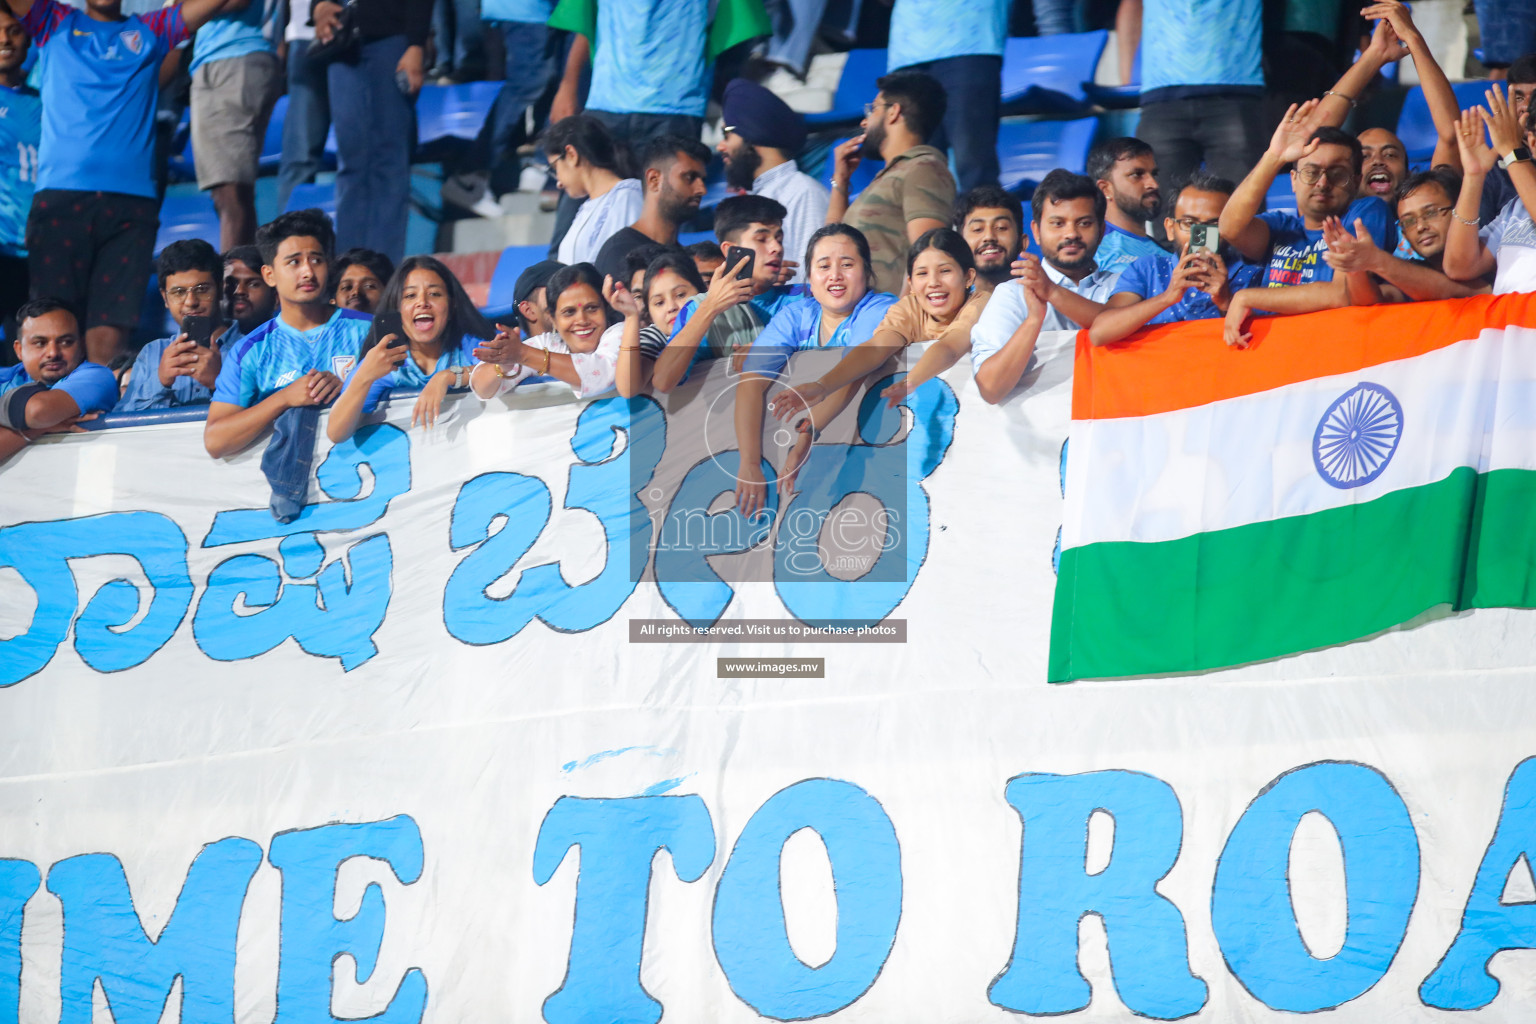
x: 502, y: 373
x: 547, y: 356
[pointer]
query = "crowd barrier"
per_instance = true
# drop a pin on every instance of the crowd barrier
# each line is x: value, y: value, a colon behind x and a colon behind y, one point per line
x: 413, y: 756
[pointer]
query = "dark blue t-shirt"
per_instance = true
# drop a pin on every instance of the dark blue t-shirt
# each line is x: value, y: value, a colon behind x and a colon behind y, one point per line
x: 1296, y: 254
x: 1149, y: 276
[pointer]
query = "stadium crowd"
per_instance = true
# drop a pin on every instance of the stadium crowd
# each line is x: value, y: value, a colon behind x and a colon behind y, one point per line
x: 1166, y: 226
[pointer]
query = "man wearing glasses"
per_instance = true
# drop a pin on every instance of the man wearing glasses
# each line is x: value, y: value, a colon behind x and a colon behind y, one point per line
x: 1326, y: 179
x: 1197, y: 284
x: 176, y: 371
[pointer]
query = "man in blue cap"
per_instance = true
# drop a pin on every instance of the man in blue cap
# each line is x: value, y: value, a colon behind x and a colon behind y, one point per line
x: 762, y: 137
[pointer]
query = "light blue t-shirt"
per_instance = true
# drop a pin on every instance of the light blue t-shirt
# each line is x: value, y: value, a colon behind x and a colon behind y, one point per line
x: 100, y: 81
x: 408, y: 375
x: 1150, y: 275
x: 529, y: 12
x: 1119, y: 248
x: 1296, y: 253
x: 145, y: 392
x: 649, y: 57
x: 21, y: 132
x: 91, y: 385
x: 925, y: 30
x: 275, y: 355
x: 252, y: 30
x: 798, y: 327
x: 1189, y: 44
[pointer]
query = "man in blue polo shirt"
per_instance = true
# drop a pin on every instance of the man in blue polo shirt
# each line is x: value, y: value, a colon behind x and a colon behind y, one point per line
x: 176, y: 371
x: 54, y: 385
x: 299, y: 357
x: 91, y: 231
x: 959, y: 43
x: 21, y: 126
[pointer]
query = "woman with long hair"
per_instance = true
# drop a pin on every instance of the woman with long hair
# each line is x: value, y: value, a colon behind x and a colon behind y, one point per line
x: 670, y: 281
x: 588, y: 165
x: 433, y: 351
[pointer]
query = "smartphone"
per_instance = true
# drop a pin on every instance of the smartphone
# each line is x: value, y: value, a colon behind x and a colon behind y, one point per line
x: 385, y: 324
x: 1204, y: 238
x: 199, y: 329
x: 734, y: 255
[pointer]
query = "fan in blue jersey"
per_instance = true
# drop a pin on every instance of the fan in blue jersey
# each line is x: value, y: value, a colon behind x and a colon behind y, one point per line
x: 440, y: 328
x: 176, y: 370
x: 54, y: 386
x: 1326, y: 179
x: 21, y: 126
x: 1125, y: 169
x: 91, y: 230
x: 299, y: 357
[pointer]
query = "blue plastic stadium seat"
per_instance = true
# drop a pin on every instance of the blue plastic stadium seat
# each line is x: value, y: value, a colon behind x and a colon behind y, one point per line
x: 1281, y: 197
x: 453, y: 111
x: 272, y: 142
x: 513, y: 261
x: 1028, y: 150
x: 1417, y: 129
x: 854, y: 89
x: 319, y: 195
x: 187, y: 216
x: 687, y: 238
x: 1118, y: 97
x: 1044, y: 74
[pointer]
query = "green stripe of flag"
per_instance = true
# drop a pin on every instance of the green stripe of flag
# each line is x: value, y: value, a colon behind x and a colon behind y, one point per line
x: 1264, y: 590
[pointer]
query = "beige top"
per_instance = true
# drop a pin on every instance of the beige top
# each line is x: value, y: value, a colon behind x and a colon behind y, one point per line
x: 913, y: 323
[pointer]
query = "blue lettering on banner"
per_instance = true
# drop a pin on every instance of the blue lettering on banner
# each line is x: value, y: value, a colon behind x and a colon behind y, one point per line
x: 1251, y: 909
x: 619, y: 839
x: 750, y: 935
x: 1148, y: 945
x: 602, y: 483
x: 1462, y: 981
x: 18, y: 881
x: 337, y: 614
x: 692, y: 534
x: 312, y: 936
x: 40, y: 553
x: 104, y: 940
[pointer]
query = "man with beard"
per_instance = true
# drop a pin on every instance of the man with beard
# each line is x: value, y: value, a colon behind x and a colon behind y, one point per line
x: 762, y: 136
x: 1125, y: 170
x: 1326, y: 173
x: 673, y: 175
x: 1424, y: 203
x: 915, y: 192
x: 1064, y: 292
x: 54, y: 385
x: 360, y: 275
x: 1165, y: 289
x: 991, y: 220
x: 248, y: 300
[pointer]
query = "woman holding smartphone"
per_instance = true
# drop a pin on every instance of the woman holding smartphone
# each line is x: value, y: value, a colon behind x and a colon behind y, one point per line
x: 424, y: 337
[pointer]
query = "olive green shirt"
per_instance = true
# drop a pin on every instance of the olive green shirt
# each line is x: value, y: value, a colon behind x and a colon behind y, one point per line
x: 915, y: 185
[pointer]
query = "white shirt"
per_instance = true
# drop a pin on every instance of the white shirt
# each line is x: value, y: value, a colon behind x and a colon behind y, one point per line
x: 596, y: 369
x: 1511, y: 237
x: 599, y: 219
x: 1006, y: 310
x: 805, y: 204
x: 298, y: 16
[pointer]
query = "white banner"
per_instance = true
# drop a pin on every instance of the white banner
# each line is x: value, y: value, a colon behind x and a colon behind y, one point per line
x: 413, y: 757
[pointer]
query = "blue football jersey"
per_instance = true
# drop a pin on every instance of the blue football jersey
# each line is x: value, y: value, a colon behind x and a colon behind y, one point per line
x: 21, y: 132
x: 275, y: 355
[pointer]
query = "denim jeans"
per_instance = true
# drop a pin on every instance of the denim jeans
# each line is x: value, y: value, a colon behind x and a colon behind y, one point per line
x: 375, y: 130
x: 533, y: 61
x: 306, y: 124
x: 796, y: 24
x: 1057, y: 17
x: 974, y: 85
x: 1225, y: 133
x: 632, y: 131
x: 456, y: 23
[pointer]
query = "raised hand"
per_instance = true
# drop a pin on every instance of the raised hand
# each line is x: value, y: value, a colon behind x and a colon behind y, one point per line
x: 1503, y: 125
x: 506, y: 349
x: 1476, y: 155
x: 727, y: 287
x: 1349, y: 253
x: 178, y: 360
x: 1386, y: 45
x: 846, y: 158
x: 1291, y: 140
x: 620, y: 297
x: 1394, y: 16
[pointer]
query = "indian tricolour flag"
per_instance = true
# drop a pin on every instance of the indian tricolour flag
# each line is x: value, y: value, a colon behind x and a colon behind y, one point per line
x: 1348, y: 472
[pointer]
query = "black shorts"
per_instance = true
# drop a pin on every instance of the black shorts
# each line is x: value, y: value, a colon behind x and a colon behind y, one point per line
x: 13, y: 293
x: 94, y: 251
